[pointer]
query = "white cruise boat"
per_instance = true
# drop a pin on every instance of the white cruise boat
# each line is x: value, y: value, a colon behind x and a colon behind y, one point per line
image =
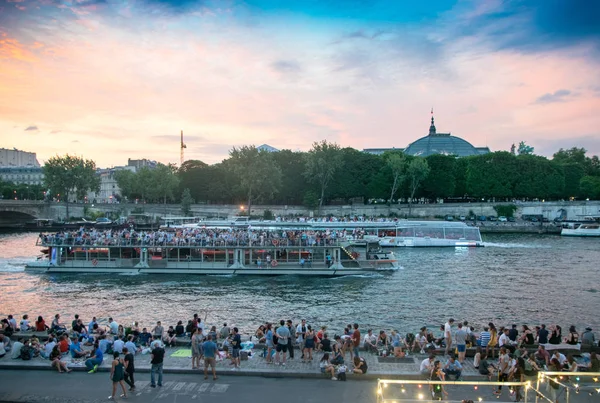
x: 581, y: 229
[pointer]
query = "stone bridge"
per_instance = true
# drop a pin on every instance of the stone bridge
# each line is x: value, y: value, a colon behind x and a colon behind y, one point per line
x: 15, y: 211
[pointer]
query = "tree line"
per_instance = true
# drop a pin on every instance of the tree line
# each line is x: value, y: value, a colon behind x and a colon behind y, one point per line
x: 329, y: 174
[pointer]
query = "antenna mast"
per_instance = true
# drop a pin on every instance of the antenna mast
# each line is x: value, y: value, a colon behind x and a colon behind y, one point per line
x: 182, y: 147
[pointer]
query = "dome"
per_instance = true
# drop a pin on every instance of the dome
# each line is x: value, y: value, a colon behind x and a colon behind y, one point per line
x: 441, y: 143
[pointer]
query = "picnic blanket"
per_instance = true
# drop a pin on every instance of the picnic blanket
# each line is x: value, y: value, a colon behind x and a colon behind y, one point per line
x: 563, y: 346
x: 183, y: 353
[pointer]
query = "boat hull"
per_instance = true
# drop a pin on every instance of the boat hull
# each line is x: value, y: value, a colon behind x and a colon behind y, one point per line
x: 580, y: 232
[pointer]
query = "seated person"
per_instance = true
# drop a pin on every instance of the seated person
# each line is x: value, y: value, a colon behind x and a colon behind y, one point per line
x: 592, y: 366
x: 453, y: 367
x: 179, y: 329
x: 56, y: 325
x: 260, y: 334
x: 63, y: 344
x: 145, y: 338
x: 15, y: 352
x: 382, y: 341
x: 427, y: 366
x: 95, y: 360
x: 360, y: 365
x: 326, y: 367
x: 170, y: 338
x: 370, y: 342
x: 76, y: 350
x: 118, y: 345
x: 55, y: 360
x: 130, y: 344
x: 48, y: 347
x: 40, y: 325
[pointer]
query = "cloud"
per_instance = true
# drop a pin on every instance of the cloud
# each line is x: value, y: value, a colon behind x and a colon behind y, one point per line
x: 286, y: 66
x: 590, y: 142
x: 55, y: 132
x: 31, y: 128
x: 175, y: 139
x: 557, y: 96
x: 87, y: 3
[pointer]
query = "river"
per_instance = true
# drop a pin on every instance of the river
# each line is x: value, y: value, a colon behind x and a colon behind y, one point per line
x: 529, y: 279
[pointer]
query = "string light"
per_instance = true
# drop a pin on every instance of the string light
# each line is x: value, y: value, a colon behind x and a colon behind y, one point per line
x: 420, y: 396
x: 475, y: 387
x: 403, y: 390
x: 480, y: 398
x: 420, y: 386
x: 595, y: 379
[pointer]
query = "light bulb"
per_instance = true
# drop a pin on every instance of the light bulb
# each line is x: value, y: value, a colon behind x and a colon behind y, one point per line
x: 420, y: 396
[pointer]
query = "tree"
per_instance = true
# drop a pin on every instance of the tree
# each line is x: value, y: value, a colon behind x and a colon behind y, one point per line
x: 573, y: 174
x: 322, y: 162
x: 441, y: 182
x: 396, y: 162
x: 126, y: 180
x: 164, y: 182
x: 257, y: 172
x: 194, y: 175
x: 70, y: 175
x: 492, y: 175
x: 293, y: 182
x: 186, y: 202
x: 417, y: 172
x: 590, y: 187
x: 524, y: 149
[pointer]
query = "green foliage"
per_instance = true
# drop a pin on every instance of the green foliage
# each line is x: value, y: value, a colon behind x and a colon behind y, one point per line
x: 22, y: 191
x: 293, y: 182
x: 590, y: 187
x: 186, y: 202
x: 538, y: 177
x: 416, y: 172
x: 257, y: 173
x: 491, y: 175
x: 524, y: 149
x: 573, y: 174
x: 70, y: 176
x: 507, y: 210
x: 268, y: 215
x: 441, y: 181
x: 154, y: 185
x: 311, y: 199
x: 322, y: 162
x: 397, y: 165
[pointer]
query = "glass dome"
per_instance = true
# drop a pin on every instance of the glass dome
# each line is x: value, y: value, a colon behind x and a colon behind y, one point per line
x: 441, y: 143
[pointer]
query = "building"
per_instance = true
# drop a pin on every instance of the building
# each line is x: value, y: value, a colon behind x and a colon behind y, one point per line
x: 17, y: 158
x: 20, y: 167
x: 109, y: 189
x: 435, y: 143
x: 28, y: 175
x: 266, y: 147
x: 443, y: 143
x: 137, y: 164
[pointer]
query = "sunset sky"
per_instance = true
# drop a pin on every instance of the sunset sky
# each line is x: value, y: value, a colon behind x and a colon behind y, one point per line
x: 111, y: 80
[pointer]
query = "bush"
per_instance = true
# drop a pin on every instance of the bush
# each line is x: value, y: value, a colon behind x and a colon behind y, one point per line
x: 507, y: 210
x: 268, y: 215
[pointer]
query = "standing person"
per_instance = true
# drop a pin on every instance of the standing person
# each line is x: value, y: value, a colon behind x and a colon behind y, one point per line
x: 129, y: 368
x: 493, y: 339
x: 196, y: 345
x: 504, y: 369
x: 301, y: 333
x: 448, y: 334
x: 270, y: 345
x: 157, y: 358
x: 309, y: 344
x: 484, y: 340
x: 356, y: 340
x: 236, y: 343
x: 117, y: 374
x: 210, y: 351
x: 461, y: 342
x: 283, y: 336
x: 291, y: 338
x: 224, y: 332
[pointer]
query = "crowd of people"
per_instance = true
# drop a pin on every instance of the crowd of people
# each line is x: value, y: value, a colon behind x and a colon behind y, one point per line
x: 90, y: 342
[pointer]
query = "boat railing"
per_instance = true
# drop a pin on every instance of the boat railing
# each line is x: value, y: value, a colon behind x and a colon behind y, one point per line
x: 53, y: 241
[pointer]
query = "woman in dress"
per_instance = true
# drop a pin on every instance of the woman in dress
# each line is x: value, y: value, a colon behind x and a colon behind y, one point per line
x: 309, y: 344
x: 117, y: 375
x: 270, y: 344
x: 196, y: 349
x: 493, y: 340
x: 55, y: 360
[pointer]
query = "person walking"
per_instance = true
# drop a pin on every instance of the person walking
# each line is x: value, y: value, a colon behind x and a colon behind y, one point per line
x: 210, y: 352
x: 129, y: 368
x: 117, y: 374
x: 157, y: 358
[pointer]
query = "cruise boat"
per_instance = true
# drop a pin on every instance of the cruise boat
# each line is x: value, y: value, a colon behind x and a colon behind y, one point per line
x: 271, y: 256
x: 389, y: 233
x: 590, y: 228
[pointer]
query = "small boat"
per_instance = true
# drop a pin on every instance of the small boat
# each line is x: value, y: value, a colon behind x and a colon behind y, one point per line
x: 589, y: 228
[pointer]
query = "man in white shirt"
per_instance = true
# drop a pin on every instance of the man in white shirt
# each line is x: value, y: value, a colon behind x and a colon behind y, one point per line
x: 48, y: 347
x: 370, y: 341
x: 427, y: 365
x: 505, y: 341
x: 13, y: 322
x: 24, y: 325
x: 114, y: 326
x: 15, y: 352
x: 560, y: 357
x: 448, y: 334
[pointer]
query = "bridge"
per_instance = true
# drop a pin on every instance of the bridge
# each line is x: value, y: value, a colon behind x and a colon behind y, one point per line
x: 19, y: 211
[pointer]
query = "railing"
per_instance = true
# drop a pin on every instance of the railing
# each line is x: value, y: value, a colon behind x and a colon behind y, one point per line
x: 52, y: 241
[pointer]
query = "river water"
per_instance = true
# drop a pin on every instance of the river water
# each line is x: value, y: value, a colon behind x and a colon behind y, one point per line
x: 529, y: 279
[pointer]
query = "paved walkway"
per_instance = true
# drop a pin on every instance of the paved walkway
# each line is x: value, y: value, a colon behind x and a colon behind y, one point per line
x: 254, y: 366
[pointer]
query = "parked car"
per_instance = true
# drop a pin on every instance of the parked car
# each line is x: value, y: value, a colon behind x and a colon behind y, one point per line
x: 482, y: 218
x: 511, y: 219
x: 449, y: 217
x: 492, y: 218
x: 462, y: 218
x: 502, y: 219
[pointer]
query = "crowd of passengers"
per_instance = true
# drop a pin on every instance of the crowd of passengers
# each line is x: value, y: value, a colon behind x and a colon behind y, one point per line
x: 200, y: 237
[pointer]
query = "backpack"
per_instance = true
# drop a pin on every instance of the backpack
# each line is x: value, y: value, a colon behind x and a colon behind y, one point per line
x: 341, y: 376
x: 26, y: 353
x: 9, y: 331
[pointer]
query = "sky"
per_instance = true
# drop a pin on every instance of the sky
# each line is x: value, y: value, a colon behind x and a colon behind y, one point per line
x: 111, y: 80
